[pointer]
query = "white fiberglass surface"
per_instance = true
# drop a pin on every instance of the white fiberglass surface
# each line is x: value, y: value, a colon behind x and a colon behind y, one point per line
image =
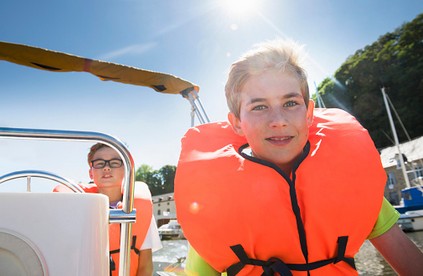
x: 54, y: 233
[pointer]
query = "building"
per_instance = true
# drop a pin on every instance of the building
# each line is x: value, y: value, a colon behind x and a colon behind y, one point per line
x: 413, y: 157
x: 164, y: 208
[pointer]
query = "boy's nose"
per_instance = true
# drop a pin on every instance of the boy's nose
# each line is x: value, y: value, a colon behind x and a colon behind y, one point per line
x: 277, y: 119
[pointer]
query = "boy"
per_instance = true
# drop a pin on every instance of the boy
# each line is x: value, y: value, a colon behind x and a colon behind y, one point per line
x: 107, y: 172
x: 284, y: 189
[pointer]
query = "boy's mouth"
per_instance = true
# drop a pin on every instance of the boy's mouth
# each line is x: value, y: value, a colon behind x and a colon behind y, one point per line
x: 279, y: 139
x: 276, y: 139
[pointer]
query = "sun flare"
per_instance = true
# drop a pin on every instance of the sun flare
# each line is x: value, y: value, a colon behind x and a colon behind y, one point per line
x: 239, y: 7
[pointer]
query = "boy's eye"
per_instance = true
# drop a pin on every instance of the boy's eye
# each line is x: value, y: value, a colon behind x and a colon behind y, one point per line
x: 290, y: 104
x: 98, y: 163
x: 259, y: 107
x: 116, y: 163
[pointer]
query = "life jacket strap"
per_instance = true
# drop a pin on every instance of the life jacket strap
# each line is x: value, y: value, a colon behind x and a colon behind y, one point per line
x: 275, y: 265
x: 269, y: 267
x: 133, y: 247
x: 112, y: 265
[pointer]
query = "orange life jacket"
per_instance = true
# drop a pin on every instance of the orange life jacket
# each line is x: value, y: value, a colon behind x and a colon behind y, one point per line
x: 144, y: 211
x: 244, y: 215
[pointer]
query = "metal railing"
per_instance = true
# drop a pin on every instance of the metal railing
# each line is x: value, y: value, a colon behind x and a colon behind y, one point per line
x: 125, y: 216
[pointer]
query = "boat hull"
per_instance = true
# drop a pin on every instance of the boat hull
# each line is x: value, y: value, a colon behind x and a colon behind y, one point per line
x: 411, y: 221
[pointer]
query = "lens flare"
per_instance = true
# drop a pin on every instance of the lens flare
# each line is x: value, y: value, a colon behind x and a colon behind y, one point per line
x: 239, y: 7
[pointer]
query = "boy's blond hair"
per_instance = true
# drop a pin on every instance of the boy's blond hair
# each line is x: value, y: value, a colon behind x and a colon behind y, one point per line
x: 281, y: 55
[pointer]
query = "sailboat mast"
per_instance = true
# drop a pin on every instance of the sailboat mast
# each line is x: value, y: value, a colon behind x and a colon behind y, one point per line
x: 394, y: 132
x: 319, y: 99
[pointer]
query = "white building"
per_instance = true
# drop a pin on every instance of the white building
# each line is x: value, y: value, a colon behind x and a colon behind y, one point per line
x: 164, y: 208
x: 413, y: 155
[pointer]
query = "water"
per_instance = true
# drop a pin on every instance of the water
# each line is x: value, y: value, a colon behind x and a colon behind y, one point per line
x: 168, y: 258
x: 368, y: 260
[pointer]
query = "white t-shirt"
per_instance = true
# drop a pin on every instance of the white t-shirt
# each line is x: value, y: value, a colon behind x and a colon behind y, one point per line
x: 152, y: 239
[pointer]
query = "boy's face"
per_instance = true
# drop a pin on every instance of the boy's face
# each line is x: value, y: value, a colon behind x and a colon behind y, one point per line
x: 273, y: 117
x: 107, y: 177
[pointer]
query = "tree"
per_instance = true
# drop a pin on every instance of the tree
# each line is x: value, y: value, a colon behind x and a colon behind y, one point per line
x: 159, y: 181
x: 144, y: 173
x: 394, y: 61
x: 167, y: 174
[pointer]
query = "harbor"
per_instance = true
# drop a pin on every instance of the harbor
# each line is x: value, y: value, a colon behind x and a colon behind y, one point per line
x: 332, y: 194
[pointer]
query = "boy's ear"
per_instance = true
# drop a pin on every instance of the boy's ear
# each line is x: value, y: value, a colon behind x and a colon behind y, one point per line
x: 91, y: 173
x: 235, y: 123
x: 310, y: 112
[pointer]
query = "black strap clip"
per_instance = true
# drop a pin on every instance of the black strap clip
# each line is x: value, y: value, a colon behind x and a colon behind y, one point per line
x: 270, y: 267
x: 275, y: 265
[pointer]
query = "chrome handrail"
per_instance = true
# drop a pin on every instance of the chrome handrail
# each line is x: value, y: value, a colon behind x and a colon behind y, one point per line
x: 129, y: 179
x: 41, y: 174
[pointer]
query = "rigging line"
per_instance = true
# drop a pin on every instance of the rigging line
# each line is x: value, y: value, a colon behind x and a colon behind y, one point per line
x: 419, y: 162
x: 412, y: 163
x: 399, y: 119
x: 319, y: 98
x: 387, y: 136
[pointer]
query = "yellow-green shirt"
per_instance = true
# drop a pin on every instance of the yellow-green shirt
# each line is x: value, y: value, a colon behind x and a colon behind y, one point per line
x: 388, y: 216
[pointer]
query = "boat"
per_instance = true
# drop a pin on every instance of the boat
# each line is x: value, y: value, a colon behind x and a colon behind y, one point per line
x: 67, y: 233
x: 411, y: 221
x: 411, y: 206
x: 411, y: 209
x: 171, y: 230
x: 412, y: 200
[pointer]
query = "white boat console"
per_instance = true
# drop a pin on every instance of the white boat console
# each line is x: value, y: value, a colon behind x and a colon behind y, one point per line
x: 63, y: 233
x: 54, y: 234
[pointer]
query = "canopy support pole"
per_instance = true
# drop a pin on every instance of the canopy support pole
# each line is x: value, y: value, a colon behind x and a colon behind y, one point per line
x: 196, y: 107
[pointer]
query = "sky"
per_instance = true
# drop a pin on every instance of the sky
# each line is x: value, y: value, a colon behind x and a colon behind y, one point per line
x: 194, y: 40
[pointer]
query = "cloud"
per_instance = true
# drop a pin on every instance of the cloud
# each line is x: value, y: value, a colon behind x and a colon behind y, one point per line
x: 129, y: 50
